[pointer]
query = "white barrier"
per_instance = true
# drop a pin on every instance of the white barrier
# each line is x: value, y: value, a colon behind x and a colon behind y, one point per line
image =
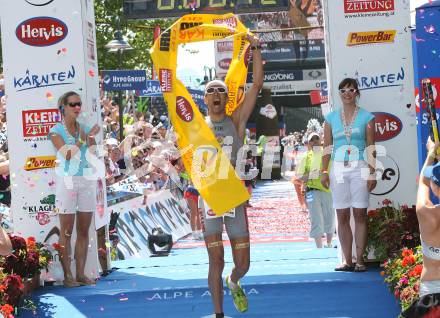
x: 136, y: 221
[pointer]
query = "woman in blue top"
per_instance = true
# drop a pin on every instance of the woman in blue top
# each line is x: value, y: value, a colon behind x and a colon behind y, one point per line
x: 349, y: 138
x: 75, y: 186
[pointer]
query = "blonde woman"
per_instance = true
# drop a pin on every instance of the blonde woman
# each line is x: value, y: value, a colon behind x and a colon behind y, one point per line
x: 75, y: 188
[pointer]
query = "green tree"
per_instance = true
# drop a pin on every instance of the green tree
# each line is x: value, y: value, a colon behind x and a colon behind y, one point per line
x: 139, y: 34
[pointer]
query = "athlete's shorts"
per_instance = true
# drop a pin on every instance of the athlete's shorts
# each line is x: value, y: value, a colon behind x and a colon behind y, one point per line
x: 74, y: 194
x: 349, y: 185
x: 191, y: 193
x: 428, y: 305
x: 236, y: 227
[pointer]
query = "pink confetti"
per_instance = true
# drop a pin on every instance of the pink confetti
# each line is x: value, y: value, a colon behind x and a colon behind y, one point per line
x: 430, y: 29
x: 91, y: 73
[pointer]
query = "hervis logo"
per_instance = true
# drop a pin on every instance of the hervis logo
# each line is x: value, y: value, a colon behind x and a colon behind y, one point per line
x: 41, y: 31
x: 42, y: 162
x: 387, y: 126
x: 371, y: 37
x: 184, y: 109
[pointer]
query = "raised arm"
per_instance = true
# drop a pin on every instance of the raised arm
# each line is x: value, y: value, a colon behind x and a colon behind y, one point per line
x: 423, y: 199
x: 242, y: 114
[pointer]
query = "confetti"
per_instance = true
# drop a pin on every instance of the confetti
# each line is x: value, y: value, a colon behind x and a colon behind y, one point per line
x: 49, y: 96
x: 430, y: 29
x: 91, y: 73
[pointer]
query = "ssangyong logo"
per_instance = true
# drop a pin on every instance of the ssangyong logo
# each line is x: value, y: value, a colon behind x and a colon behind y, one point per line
x: 39, y: 3
x: 387, y: 126
x: 41, y: 31
x: 357, y: 6
x: 184, y: 109
x: 37, y: 123
x: 372, y: 37
x: 42, y: 162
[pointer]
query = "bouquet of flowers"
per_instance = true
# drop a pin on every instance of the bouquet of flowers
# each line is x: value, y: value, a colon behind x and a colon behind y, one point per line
x: 390, y: 229
x: 402, y: 274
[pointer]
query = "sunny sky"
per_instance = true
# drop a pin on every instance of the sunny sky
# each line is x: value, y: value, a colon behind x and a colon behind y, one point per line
x: 191, y: 60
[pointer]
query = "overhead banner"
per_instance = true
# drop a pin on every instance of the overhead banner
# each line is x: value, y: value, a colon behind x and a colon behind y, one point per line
x: 210, y: 169
x: 370, y: 41
x: 124, y: 80
x: 137, y: 219
x: 49, y: 48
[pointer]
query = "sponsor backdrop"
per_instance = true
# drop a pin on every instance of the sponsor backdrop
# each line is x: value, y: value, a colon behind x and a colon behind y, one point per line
x: 137, y: 219
x: 372, y: 43
x: 59, y: 35
x: 428, y: 55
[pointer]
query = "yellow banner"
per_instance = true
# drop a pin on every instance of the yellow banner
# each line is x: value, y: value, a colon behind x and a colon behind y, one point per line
x: 210, y: 169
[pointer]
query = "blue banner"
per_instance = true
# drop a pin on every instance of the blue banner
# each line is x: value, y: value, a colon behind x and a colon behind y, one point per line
x: 124, y: 80
x: 152, y: 90
x: 427, y: 42
x: 294, y: 51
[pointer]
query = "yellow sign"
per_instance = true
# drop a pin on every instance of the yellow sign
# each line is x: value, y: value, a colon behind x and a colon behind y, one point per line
x: 44, y: 162
x: 371, y: 37
x: 209, y: 167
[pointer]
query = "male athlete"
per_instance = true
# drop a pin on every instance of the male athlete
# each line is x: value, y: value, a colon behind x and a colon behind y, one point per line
x: 216, y: 96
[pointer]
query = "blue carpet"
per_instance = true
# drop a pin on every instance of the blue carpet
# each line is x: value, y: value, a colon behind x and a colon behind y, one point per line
x: 285, y: 280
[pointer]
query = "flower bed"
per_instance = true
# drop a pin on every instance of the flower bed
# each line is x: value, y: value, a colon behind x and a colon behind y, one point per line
x: 394, y: 238
x: 402, y: 274
x: 19, y: 273
x: 390, y: 229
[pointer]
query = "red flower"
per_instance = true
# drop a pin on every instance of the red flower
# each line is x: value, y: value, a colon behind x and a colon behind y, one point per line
x: 14, y: 290
x: 372, y: 213
x: 417, y: 271
x: 386, y: 202
x: 408, y: 260
x: 396, y: 294
x: 31, y: 242
x: 7, y: 310
x: 407, y: 252
x: 56, y: 246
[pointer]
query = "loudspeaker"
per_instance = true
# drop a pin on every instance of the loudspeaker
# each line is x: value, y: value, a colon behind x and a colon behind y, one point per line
x: 159, y: 242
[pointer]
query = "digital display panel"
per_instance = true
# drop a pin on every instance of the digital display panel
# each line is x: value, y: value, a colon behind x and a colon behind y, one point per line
x: 142, y: 9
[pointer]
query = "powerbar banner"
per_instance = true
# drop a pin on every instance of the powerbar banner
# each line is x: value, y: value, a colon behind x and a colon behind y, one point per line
x: 48, y: 49
x: 210, y: 168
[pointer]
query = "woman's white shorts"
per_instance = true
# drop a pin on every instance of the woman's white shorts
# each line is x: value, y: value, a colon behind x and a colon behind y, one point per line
x: 348, y: 185
x: 75, y: 193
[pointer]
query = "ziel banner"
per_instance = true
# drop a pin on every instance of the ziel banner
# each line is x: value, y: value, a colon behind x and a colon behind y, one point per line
x: 370, y: 40
x: 49, y: 48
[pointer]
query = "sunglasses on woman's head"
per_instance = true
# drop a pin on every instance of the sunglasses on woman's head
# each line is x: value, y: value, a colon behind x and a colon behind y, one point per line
x: 347, y: 90
x: 75, y: 104
x: 211, y: 90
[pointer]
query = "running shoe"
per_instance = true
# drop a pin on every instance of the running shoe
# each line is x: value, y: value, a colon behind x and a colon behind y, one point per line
x: 240, y: 300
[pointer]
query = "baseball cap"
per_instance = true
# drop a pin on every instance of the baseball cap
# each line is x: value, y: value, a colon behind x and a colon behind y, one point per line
x: 111, y: 142
x: 433, y: 173
x: 311, y: 135
x: 216, y: 83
